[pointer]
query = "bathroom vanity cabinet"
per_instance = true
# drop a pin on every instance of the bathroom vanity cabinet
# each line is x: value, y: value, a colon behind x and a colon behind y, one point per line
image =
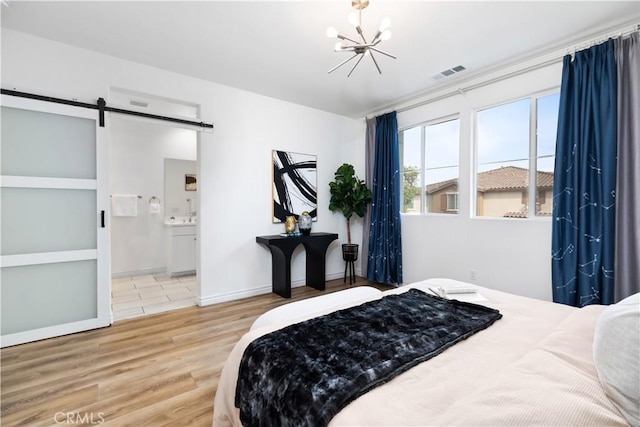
x: 182, y: 249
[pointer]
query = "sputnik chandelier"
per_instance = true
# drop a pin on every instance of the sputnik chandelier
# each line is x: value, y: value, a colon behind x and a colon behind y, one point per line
x: 364, y: 48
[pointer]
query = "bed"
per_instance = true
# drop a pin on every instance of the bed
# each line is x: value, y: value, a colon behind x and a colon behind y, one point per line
x: 540, y: 364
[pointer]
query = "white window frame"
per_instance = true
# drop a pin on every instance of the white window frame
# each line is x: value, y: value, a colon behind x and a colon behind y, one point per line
x: 456, y: 197
x: 423, y: 195
x: 533, y: 157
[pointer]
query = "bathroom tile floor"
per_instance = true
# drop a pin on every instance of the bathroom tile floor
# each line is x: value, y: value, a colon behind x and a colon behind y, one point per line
x: 135, y: 296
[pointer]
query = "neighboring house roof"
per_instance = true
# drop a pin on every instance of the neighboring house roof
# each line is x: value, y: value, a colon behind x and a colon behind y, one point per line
x: 503, y: 178
x: 523, y: 214
x: 516, y: 214
x: 433, y: 188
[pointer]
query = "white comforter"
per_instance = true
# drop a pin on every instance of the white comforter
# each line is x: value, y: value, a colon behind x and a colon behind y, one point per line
x: 532, y: 367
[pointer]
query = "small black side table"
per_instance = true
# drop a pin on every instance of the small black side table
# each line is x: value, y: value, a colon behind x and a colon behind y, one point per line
x: 315, y: 244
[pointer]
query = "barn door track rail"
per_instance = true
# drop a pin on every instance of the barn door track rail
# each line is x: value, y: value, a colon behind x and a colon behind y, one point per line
x: 101, y: 106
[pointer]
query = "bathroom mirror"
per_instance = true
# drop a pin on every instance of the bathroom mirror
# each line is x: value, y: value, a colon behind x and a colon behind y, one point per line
x: 180, y: 191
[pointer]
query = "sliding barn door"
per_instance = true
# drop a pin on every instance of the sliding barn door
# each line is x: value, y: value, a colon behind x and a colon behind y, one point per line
x: 54, y: 257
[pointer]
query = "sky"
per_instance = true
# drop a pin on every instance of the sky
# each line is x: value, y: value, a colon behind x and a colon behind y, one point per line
x: 503, y: 139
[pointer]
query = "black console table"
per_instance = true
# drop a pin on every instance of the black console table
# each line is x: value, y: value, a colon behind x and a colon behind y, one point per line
x: 281, y: 248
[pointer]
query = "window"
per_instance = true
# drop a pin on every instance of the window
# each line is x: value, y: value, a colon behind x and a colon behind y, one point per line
x: 429, y: 159
x: 452, y: 201
x: 547, y: 128
x: 410, y: 160
x: 512, y: 140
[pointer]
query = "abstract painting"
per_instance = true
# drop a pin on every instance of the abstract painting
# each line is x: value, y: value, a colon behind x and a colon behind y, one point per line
x: 294, y: 185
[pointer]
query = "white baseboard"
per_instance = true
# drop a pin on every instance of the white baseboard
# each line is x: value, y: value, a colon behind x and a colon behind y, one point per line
x: 232, y: 296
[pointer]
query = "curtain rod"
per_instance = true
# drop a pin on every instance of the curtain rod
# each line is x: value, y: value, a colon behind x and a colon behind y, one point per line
x: 461, y: 90
x: 101, y: 106
x: 603, y: 38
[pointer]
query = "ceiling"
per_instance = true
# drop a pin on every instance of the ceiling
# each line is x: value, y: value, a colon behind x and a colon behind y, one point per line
x: 280, y: 48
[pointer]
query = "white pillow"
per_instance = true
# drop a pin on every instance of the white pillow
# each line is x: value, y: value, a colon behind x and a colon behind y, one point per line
x: 616, y: 353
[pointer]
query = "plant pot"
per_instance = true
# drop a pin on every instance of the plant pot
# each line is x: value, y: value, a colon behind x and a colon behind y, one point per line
x: 350, y: 252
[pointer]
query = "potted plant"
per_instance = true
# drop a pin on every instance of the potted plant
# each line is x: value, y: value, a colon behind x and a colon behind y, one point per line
x: 350, y: 195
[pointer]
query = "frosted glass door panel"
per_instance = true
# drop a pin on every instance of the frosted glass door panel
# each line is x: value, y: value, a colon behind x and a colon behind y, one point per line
x: 38, y: 220
x: 42, y: 144
x: 54, y: 265
x: 44, y: 295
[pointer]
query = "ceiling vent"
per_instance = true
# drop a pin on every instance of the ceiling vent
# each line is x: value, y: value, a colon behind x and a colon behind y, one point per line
x: 449, y: 72
x: 139, y: 104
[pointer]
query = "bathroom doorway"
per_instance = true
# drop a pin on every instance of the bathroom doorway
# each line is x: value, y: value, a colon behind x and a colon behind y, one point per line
x: 147, y: 277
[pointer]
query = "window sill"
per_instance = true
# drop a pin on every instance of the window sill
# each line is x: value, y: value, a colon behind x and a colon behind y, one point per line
x: 527, y: 219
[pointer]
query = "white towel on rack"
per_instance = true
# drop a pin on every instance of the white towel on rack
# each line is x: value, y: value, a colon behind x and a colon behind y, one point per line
x: 124, y: 205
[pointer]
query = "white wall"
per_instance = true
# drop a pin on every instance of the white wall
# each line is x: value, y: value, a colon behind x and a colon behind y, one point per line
x: 512, y: 255
x: 137, y: 150
x: 235, y: 160
x: 235, y: 175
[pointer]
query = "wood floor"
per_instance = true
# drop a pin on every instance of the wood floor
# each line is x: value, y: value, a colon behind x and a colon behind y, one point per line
x: 157, y: 370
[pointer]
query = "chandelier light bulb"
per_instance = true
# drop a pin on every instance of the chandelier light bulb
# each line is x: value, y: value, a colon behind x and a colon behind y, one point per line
x: 360, y: 45
x: 384, y: 24
x: 354, y: 19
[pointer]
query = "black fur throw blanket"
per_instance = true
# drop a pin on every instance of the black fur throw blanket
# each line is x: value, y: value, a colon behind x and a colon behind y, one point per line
x: 304, y: 374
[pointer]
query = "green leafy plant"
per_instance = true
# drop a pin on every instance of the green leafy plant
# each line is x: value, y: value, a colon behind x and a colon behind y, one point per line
x: 411, y: 187
x: 349, y: 194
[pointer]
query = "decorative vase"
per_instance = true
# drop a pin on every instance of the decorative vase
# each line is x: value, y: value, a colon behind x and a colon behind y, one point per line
x: 304, y: 223
x: 290, y: 224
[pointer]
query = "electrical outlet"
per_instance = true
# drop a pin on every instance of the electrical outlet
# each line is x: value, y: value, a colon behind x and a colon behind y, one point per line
x: 472, y: 275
